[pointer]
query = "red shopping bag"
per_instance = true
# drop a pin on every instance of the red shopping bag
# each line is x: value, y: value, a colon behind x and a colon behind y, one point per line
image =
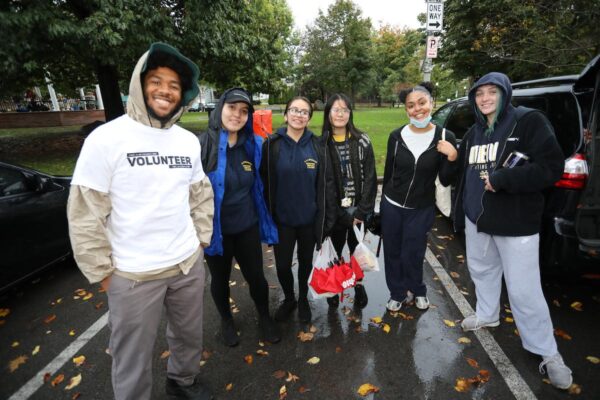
x: 356, y: 268
x: 344, y: 276
x: 323, y: 282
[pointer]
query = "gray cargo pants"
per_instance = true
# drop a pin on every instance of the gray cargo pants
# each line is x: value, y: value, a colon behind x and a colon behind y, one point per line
x: 135, y: 313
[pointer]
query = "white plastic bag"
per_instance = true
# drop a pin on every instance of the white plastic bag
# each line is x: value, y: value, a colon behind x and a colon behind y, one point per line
x: 365, y: 258
x: 443, y: 194
x: 322, y: 260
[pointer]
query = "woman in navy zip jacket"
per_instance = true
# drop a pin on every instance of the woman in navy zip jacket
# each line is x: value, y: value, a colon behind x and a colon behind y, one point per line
x: 416, y: 154
x: 299, y: 189
x: 353, y: 163
x: 231, y: 155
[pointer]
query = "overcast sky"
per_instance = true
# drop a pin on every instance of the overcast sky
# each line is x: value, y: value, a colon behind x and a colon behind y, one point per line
x: 401, y: 13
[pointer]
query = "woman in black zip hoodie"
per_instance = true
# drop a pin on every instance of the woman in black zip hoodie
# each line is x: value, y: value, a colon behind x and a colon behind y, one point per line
x: 416, y: 154
x: 299, y: 190
x: 353, y: 162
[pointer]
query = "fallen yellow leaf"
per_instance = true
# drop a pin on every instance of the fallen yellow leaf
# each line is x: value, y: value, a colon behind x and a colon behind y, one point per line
x: 50, y: 318
x: 282, y: 392
x: 72, y: 332
x: 4, y: 312
x: 78, y: 361
x: 292, y: 378
x: 462, y: 385
x: 338, y: 349
x: 14, y: 344
x: 464, y: 340
x: 577, y: 305
x: 367, y: 388
x: 454, y: 274
x: 228, y: 387
x: 574, y: 389
x: 386, y: 328
x: 449, y: 323
x: 74, y: 381
x: 14, y: 364
x: 165, y: 354
x: 88, y: 296
x: 305, y: 336
x: 509, y: 320
x: 202, y: 363
x: 313, y: 329
x: 593, y: 360
x: 261, y: 352
x: 376, y: 320
x: 248, y: 359
x: 516, y: 332
x: 303, y: 389
x: 36, y: 350
x: 313, y: 360
x: 556, y: 303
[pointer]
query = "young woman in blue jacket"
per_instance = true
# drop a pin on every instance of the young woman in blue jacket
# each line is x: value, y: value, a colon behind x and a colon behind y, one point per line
x: 231, y: 155
x: 416, y: 154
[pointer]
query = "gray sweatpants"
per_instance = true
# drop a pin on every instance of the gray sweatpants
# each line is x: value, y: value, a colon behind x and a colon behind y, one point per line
x: 135, y: 313
x: 488, y: 258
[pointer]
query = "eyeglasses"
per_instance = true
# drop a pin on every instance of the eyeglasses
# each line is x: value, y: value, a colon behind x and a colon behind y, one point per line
x: 297, y: 111
x: 340, y: 111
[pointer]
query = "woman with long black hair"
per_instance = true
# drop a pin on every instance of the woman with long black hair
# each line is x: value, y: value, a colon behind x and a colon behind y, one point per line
x: 353, y: 162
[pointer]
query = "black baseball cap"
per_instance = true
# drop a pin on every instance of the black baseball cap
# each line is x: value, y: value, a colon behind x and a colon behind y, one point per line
x: 238, y: 95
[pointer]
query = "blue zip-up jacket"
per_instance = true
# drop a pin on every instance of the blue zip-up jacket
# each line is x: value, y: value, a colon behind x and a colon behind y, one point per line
x: 213, y: 146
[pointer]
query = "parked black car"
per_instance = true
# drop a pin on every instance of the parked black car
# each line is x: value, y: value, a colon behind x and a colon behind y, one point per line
x: 570, y: 233
x: 33, y: 222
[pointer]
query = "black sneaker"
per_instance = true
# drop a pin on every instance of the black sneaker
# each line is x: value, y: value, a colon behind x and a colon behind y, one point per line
x: 196, y: 391
x: 333, y: 301
x: 285, y: 309
x: 360, y: 296
x: 304, y: 314
x: 269, y: 331
x: 229, y: 332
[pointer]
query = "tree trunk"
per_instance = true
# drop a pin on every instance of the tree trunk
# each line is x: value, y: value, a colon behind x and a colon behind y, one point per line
x: 108, y: 79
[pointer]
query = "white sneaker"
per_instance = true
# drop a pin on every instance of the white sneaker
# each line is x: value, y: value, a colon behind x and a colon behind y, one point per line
x: 422, y: 302
x: 393, y: 305
x: 559, y: 374
x: 472, y: 323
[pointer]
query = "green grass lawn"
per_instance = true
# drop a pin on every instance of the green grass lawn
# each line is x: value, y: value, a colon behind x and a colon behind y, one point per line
x: 376, y: 122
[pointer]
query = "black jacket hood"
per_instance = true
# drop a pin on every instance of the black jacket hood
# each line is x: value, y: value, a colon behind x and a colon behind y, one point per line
x: 503, y: 83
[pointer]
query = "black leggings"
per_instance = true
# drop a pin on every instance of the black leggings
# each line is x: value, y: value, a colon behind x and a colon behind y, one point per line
x: 284, y: 252
x: 338, y: 239
x: 247, y: 250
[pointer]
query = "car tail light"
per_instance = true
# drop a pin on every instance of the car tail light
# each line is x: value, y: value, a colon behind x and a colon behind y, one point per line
x: 575, y: 173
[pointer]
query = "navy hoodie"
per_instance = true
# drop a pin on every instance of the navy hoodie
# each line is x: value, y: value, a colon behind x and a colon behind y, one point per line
x: 516, y: 206
x: 297, y: 166
x: 238, y: 212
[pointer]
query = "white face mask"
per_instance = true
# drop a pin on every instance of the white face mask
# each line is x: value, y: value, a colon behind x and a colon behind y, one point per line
x: 421, y: 123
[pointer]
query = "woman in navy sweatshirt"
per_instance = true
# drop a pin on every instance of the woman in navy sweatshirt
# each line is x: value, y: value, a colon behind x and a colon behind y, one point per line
x: 231, y: 156
x: 299, y: 188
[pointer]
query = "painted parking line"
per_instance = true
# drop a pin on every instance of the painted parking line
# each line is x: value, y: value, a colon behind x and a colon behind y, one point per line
x: 509, y: 373
x: 37, y: 381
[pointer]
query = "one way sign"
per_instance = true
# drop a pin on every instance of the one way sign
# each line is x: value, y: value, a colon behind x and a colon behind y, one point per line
x: 435, y: 15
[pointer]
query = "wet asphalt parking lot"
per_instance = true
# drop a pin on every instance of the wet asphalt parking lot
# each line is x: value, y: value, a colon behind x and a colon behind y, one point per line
x: 410, y: 355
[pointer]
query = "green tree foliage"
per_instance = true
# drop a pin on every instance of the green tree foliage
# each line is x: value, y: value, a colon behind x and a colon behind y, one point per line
x: 240, y: 43
x: 337, y: 52
x: 397, y: 53
x: 524, y: 38
x: 75, y: 43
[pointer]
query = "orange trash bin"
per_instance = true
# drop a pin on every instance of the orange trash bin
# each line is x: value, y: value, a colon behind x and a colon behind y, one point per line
x: 262, y: 122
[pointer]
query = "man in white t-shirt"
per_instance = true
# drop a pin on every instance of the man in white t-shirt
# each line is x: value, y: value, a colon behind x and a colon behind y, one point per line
x: 140, y: 212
